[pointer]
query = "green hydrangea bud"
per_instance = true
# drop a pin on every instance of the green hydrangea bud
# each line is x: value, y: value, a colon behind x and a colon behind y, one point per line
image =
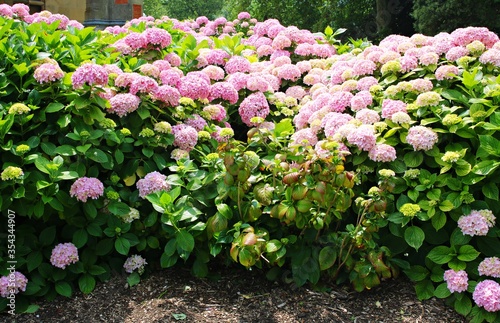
x: 112, y: 195
x: 146, y: 132
x: 22, y: 149
x: 409, y: 209
x: 125, y: 132
x: 107, y: 123
x: 19, y: 108
x: 11, y: 172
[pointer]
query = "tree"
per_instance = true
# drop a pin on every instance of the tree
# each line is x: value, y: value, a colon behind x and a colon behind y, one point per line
x: 191, y: 9
x: 434, y: 16
x: 154, y: 8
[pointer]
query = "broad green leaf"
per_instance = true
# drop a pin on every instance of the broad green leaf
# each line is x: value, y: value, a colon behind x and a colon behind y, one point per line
x: 122, y: 245
x: 133, y: 279
x: 467, y: 253
x: 417, y: 273
x: 64, y: 289
x: 118, y: 208
x: 424, y: 290
x: 54, y: 107
x: 446, y: 206
x: 327, y: 257
x: 413, y: 159
x: 440, y: 255
x: 442, y: 291
x: 414, y: 236
x: 485, y: 167
x: 86, y: 283
x: 80, y: 238
x: 463, y: 305
x: 185, y: 240
x: 490, y: 144
x: 438, y: 220
x: 490, y: 190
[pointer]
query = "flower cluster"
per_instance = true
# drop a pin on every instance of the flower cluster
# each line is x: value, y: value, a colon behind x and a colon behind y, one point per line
x: 12, y: 284
x: 124, y: 103
x: 48, y: 72
x: 11, y: 172
x: 456, y: 281
x: 135, y: 262
x: 477, y: 223
x: 86, y: 187
x: 185, y: 136
x: 151, y: 183
x: 90, y: 74
x: 490, y: 267
x: 63, y: 255
x: 421, y: 138
x: 487, y: 295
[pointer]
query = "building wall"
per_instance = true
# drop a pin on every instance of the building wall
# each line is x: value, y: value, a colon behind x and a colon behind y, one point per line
x: 73, y: 9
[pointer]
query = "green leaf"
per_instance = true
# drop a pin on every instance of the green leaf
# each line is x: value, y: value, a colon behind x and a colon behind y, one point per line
x: 122, y: 245
x: 225, y: 210
x: 86, y: 283
x: 54, y: 107
x: 424, y: 290
x: 48, y: 235
x: 485, y: 167
x: 119, y: 157
x: 104, y: 247
x: 185, y: 240
x: 490, y: 144
x: 442, y: 291
x: 133, y: 279
x: 462, y: 167
x: 327, y: 257
x: 463, y: 305
x: 273, y: 246
x: 153, y: 242
x: 170, y: 247
x: 179, y: 316
x: 446, y: 206
x: 118, y: 208
x: 96, y: 270
x: 440, y: 255
x: 417, y: 273
x: 34, y: 260
x: 414, y: 236
x: 284, y: 127
x: 64, y: 289
x: 97, y: 155
x: 328, y: 31
x: 438, y: 220
x: 413, y: 159
x: 66, y: 175
x: 490, y: 190
x: 80, y: 238
x: 467, y: 253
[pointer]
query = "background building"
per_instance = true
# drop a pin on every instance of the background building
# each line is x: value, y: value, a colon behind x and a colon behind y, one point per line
x: 99, y: 13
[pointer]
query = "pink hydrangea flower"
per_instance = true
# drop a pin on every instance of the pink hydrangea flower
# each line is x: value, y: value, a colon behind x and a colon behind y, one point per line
x: 91, y: 74
x: 237, y: 64
x: 364, y: 67
x: 421, y: 85
x: 254, y: 105
x: 173, y: 59
x: 171, y: 77
x: 21, y: 10
x: 368, y: 116
x: 150, y: 70
x: 289, y: 72
x: 456, y: 281
x: 243, y: 15
x: 487, y: 295
x: 135, y: 262
x: 333, y: 121
x: 186, y: 136
x: 157, y: 37
x: 361, y: 100
x: 455, y: 53
x: 136, y: 40
x: 216, y: 57
x: 223, y: 91
x: 63, y: 255
x: 490, y: 267
x: 446, y: 72
x: 152, y: 183
x: 86, y: 187
x: 389, y: 107
x: 382, y: 153
x: 296, y: 91
x: 196, y: 121
x: 214, y: 72
x: 491, y: 56
x: 304, y: 137
x: 421, y: 138
x: 363, y: 137
x: 195, y: 86
x: 124, y: 103
x: 167, y: 94
x: 6, y: 10
x: 477, y: 223
x: 215, y: 112
x: 48, y: 72
x: 143, y: 84
x: 12, y: 284
x: 366, y: 82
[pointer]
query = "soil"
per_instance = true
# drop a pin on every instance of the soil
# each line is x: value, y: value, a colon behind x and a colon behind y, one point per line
x: 238, y: 296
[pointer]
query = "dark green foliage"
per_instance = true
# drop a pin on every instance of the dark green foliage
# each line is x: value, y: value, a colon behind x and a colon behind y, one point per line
x: 434, y: 16
x: 191, y: 9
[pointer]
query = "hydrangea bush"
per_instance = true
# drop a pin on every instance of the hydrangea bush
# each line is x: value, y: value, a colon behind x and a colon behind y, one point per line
x: 165, y: 142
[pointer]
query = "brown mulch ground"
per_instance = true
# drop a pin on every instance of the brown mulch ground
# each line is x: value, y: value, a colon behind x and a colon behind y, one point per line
x: 238, y: 296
